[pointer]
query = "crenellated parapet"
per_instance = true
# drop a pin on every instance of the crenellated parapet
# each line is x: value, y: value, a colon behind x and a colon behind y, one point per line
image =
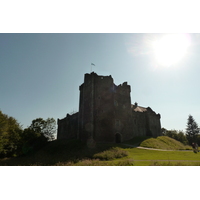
x: 106, y: 113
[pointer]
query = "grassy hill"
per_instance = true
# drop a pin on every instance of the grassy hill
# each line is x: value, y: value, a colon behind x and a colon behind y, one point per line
x: 74, y: 152
x: 164, y: 142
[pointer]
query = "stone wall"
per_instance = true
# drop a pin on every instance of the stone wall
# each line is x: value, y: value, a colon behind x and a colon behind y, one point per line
x: 96, y: 108
x: 68, y: 127
x: 154, y: 126
x: 122, y: 112
x: 107, y: 115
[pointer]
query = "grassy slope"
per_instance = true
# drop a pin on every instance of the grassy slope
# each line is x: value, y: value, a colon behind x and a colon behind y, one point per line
x: 164, y: 142
x: 76, y: 153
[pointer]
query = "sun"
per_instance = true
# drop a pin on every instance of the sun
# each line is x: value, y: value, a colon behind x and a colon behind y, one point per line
x: 171, y: 48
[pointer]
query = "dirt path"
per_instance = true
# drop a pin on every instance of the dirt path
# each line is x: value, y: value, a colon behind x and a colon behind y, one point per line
x: 159, y: 160
x: 136, y: 146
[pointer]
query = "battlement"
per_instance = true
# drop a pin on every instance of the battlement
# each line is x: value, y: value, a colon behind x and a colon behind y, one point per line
x: 88, y: 77
x: 106, y: 113
x: 96, y: 79
x: 123, y: 88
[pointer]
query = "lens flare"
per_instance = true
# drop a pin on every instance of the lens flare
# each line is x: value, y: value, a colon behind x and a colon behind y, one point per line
x: 171, y: 48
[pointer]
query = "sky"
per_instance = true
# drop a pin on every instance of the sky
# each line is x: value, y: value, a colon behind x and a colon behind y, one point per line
x: 41, y: 74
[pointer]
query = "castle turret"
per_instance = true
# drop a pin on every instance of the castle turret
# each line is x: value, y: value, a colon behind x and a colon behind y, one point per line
x: 95, y: 107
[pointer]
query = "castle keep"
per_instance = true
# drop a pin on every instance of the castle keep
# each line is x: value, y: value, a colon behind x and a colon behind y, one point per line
x: 107, y: 115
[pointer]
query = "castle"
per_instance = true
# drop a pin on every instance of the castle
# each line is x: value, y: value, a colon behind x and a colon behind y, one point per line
x: 107, y: 115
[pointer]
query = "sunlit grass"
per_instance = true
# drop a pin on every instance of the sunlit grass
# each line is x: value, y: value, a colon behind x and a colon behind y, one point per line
x: 76, y: 153
x: 164, y: 142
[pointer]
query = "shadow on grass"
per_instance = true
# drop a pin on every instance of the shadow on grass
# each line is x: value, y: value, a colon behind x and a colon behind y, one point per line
x: 58, y: 151
x: 63, y: 151
x: 136, y: 141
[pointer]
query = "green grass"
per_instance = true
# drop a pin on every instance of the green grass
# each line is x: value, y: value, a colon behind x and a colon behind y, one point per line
x: 174, y: 163
x: 143, y: 157
x: 76, y: 153
x: 144, y: 154
x: 164, y: 142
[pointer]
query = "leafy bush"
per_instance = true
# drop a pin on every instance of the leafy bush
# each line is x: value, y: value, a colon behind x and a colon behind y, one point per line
x: 111, y: 154
x: 96, y: 162
x: 127, y: 162
x: 85, y: 162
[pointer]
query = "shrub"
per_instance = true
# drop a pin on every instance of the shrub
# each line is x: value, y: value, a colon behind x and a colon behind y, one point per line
x: 111, y: 154
x: 84, y: 162
x: 96, y: 162
x: 127, y: 162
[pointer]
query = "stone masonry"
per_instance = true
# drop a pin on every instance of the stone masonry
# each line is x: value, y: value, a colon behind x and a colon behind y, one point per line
x: 107, y: 115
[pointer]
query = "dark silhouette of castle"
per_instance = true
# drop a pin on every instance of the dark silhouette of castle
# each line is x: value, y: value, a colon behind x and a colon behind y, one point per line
x: 107, y: 115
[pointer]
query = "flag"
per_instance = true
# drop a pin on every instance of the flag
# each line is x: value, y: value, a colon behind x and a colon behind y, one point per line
x: 92, y: 64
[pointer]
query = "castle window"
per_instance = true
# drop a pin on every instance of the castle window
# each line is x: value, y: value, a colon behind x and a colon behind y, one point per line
x: 116, y: 103
x: 102, y: 77
x: 124, y: 106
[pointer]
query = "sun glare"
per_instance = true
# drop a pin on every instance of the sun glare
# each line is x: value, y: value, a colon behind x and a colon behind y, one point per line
x: 171, y: 48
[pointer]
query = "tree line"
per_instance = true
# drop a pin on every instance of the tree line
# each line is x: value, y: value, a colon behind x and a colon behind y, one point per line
x: 15, y: 141
x: 191, y: 134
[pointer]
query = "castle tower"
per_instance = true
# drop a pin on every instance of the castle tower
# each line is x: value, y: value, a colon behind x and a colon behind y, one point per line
x: 104, y: 109
x: 107, y: 115
x: 96, y: 107
x: 123, y: 115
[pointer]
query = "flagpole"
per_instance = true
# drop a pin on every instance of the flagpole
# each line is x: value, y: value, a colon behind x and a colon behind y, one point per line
x: 91, y: 66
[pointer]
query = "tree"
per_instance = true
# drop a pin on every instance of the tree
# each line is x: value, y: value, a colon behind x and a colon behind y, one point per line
x: 182, y: 137
x: 50, y: 129
x: 15, y: 141
x: 47, y: 127
x: 172, y: 133
x: 10, y: 135
x: 177, y: 135
x: 192, y: 129
x: 32, y: 140
x: 163, y: 131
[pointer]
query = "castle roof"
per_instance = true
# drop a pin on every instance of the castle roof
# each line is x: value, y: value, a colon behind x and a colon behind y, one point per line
x: 138, y: 108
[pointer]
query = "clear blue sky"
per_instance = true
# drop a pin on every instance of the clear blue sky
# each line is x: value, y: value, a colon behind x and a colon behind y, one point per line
x: 40, y: 74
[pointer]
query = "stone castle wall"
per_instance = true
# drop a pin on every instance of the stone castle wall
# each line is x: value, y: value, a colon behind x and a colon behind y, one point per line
x: 106, y: 113
x: 68, y: 127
